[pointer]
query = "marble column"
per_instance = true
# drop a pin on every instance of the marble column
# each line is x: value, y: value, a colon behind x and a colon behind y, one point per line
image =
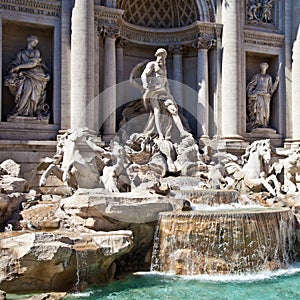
x: 97, y: 80
x: 296, y: 88
x: 56, y: 104
x: 109, y: 82
x: 120, y: 59
x: 66, y: 11
x: 231, y: 83
x: 288, y: 11
x: 202, y: 47
x: 214, y: 59
x: 1, y: 102
x: 82, y: 64
x: 177, y: 84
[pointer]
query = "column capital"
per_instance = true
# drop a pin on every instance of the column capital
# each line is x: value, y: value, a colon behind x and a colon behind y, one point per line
x: 109, y: 31
x: 178, y: 49
x: 122, y: 43
x: 206, y: 44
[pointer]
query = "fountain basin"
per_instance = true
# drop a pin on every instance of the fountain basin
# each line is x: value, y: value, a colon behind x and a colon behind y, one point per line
x: 224, y: 241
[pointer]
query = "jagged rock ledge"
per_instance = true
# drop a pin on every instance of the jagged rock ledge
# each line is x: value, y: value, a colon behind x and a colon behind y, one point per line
x: 50, y: 261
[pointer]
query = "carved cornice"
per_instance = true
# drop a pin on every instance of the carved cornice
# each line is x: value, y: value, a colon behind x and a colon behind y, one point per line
x: 106, y: 15
x: 169, y: 36
x: 260, y: 38
x: 38, y: 7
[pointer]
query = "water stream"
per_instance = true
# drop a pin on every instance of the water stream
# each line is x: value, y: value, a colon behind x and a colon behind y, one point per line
x: 81, y: 269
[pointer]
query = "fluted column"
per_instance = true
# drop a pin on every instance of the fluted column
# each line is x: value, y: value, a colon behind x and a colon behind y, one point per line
x: 296, y: 88
x: 231, y: 83
x: 82, y: 64
x: 178, y: 51
x: 202, y: 46
x: 109, y: 82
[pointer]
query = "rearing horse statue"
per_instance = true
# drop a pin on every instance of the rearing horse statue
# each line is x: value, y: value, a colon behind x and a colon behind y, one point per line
x: 69, y: 165
x: 253, y: 175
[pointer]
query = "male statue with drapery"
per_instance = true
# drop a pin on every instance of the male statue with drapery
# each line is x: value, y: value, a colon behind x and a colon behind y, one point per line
x: 27, y: 79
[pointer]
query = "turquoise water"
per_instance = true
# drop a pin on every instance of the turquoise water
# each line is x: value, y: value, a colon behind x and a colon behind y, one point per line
x: 281, y: 285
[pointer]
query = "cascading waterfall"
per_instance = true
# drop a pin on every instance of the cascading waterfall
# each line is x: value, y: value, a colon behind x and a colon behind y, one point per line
x: 81, y: 268
x: 224, y: 241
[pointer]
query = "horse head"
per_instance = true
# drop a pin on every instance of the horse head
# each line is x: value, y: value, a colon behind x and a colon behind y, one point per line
x: 264, y: 150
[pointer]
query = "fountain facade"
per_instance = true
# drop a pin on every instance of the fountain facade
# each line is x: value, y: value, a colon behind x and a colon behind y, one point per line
x: 160, y: 157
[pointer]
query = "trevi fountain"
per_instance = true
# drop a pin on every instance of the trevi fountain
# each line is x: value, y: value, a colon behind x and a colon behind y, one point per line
x: 148, y: 152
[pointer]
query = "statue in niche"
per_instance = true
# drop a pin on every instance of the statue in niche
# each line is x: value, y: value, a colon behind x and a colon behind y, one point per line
x: 27, y: 79
x: 259, y: 91
x: 158, y: 100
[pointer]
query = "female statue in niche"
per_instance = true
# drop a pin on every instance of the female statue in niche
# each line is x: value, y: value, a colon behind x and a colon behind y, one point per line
x: 27, y: 80
x: 259, y: 91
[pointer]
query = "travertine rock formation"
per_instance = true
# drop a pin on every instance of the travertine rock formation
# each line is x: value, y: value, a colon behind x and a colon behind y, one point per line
x: 59, y: 261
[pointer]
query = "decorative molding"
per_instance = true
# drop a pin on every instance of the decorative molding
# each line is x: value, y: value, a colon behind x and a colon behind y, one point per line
x: 160, y: 13
x: 37, y: 7
x: 211, y: 10
x: 170, y: 36
x: 260, y: 38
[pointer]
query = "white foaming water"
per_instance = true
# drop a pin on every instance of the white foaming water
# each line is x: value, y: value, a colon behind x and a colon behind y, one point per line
x: 204, y: 207
x: 81, y: 294
x: 248, y: 277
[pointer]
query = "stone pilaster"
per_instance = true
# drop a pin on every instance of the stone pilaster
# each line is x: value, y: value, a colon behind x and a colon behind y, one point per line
x: 231, y: 83
x: 178, y: 51
x: 296, y: 89
x: 82, y: 64
x: 202, y: 47
x: 110, y: 34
